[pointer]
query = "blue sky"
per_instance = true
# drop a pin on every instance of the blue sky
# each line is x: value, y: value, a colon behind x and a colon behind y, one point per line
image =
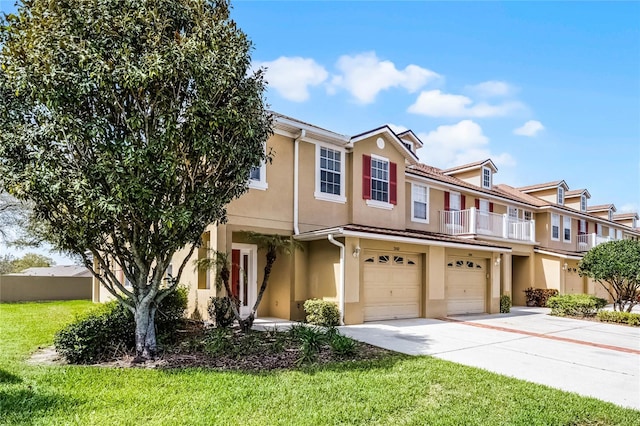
x: 548, y: 90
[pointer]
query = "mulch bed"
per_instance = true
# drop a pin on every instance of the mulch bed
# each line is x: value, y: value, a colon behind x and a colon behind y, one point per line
x: 252, y: 352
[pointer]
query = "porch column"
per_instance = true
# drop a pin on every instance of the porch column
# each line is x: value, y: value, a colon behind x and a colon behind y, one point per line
x: 532, y: 231
x: 472, y: 220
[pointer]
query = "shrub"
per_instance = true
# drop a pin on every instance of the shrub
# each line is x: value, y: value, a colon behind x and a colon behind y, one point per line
x: 322, y: 313
x: 109, y: 329
x: 342, y: 346
x: 219, y: 341
x: 312, y: 339
x: 628, y: 318
x: 583, y: 305
x: 539, y: 296
x: 220, y: 311
x: 505, y: 304
x: 98, y: 335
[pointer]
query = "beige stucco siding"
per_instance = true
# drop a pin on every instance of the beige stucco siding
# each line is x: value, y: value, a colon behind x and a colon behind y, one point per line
x: 367, y: 215
x: 547, y: 270
x: 470, y: 176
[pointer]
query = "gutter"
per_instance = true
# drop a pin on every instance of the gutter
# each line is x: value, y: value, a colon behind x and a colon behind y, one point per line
x: 296, y: 154
x: 341, y: 283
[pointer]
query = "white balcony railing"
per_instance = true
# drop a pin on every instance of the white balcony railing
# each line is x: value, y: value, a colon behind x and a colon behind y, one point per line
x: 588, y: 241
x: 472, y: 221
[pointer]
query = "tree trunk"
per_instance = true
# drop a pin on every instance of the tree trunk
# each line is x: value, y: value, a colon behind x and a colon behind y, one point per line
x: 146, y: 346
x: 235, y: 303
x: 247, y: 323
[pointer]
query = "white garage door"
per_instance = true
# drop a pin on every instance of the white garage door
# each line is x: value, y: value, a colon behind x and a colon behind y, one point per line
x: 391, y: 285
x: 466, y: 285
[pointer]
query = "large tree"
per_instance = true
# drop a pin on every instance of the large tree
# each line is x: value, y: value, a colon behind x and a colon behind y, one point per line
x: 129, y: 125
x: 616, y: 266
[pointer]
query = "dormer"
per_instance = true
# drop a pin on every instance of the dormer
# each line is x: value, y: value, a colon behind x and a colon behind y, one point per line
x: 603, y: 211
x: 553, y: 192
x: 410, y: 140
x: 627, y: 219
x: 577, y: 199
x: 479, y: 173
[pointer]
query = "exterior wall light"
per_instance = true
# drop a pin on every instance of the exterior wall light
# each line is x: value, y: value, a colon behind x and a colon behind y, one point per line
x: 356, y: 252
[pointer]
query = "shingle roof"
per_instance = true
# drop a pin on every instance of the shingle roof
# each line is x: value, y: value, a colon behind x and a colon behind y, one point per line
x: 56, y: 271
x: 601, y: 207
x: 467, y: 166
x: 423, y: 235
x: 521, y: 196
x: 622, y: 216
x: 576, y: 193
x: 438, y: 174
x: 541, y: 185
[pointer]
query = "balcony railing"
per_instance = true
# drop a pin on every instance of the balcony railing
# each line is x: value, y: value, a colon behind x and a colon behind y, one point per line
x: 588, y: 241
x: 474, y: 222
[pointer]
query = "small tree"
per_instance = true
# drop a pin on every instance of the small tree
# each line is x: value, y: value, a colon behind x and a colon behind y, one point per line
x: 30, y: 260
x: 616, y: 266
x: 129, y: 126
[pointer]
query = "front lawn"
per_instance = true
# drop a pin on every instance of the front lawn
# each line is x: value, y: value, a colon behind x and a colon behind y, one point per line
x: 393, y: 390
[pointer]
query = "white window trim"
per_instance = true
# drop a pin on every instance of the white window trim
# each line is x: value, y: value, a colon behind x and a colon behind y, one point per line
x: 583, y: 203
x: 560, y: 196
x: 513, y: 209
x: 566, y: 219
x: 490, y: 178
x: 552, y: 216
x: 610, y: 215
x: 261, y: 184
x: 319, y: 195
x: 525, y: 213
x: 382, y: 204
x: 599, y: 229
x: 612, y: 232
x: 413, y: 217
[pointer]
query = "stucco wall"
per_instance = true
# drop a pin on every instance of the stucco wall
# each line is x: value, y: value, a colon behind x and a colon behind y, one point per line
x: 14, y: 288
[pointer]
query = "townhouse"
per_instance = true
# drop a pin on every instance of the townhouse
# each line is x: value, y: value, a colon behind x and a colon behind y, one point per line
x: 384, y: 236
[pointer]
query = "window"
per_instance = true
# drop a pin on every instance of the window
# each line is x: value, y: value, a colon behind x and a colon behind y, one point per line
x: 566, y: 229
x: 486, y: 177
x: 583, y: 203
x: 618, y: 234
x: 610, y: 215
x: 612, y: 233
x: 561, y: 195
x: 379, y: 182
x: 454, y: 201
x: 513, y: 212
x: 555, y: 226
x: 419, y: 203
x: 527, y: 215
x: 599, y: 229
x: 258, y: 177
x: 582, y: 227
x: 329, y: 174
x: 483, y: 214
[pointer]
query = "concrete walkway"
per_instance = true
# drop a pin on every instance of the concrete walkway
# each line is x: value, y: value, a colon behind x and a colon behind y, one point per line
x: 586, y: 357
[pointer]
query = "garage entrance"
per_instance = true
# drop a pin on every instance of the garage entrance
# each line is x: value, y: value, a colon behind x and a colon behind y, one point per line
x: 392, y: 284
x: 466, y: 285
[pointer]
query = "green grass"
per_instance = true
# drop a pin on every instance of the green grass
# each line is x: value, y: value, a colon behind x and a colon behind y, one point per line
x: 398, y: 390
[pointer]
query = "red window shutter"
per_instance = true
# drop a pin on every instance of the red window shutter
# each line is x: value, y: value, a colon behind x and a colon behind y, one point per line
x: 491, y: 207
x: 586, y: 227
x: 366, y: 177
x: 393, y: 183
x: 235, y: 272
x: 446, y: 200
x: 478, y: 203
x: 463, y: 202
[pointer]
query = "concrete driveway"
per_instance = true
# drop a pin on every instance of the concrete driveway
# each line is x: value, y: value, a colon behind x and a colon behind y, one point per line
x: 589, y: 358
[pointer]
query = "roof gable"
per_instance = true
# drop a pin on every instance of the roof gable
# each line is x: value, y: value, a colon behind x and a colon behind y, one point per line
x: 471, y: 166
x: 385, y: 130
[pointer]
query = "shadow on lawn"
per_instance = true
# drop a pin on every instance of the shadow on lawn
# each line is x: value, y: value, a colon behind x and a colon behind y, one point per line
x: 6, y: 377
x: 25, y: 406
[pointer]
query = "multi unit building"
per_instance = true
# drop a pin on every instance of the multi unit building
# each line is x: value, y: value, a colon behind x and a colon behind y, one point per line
x: 385, y: 236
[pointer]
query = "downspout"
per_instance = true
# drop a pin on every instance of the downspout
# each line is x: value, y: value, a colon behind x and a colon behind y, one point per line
x: 341, y: 283
x: 296, y: 150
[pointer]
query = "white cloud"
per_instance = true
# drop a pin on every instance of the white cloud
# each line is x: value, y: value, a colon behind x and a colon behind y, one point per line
x: 397, y: 128
x: 434, y: 103
x: 491, y: 88
x: 530, y: 128
x: 461, y: 143
x: 629, y: 208
x: 365, y: 75
x: 291, y: 77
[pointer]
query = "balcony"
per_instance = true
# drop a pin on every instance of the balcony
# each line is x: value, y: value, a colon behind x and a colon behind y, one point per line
x: 588, y: 241
x: 474, y: 222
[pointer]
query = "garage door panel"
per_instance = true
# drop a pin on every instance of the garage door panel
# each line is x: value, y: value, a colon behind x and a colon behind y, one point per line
x: 392, y: 284
x: 466, y: 285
